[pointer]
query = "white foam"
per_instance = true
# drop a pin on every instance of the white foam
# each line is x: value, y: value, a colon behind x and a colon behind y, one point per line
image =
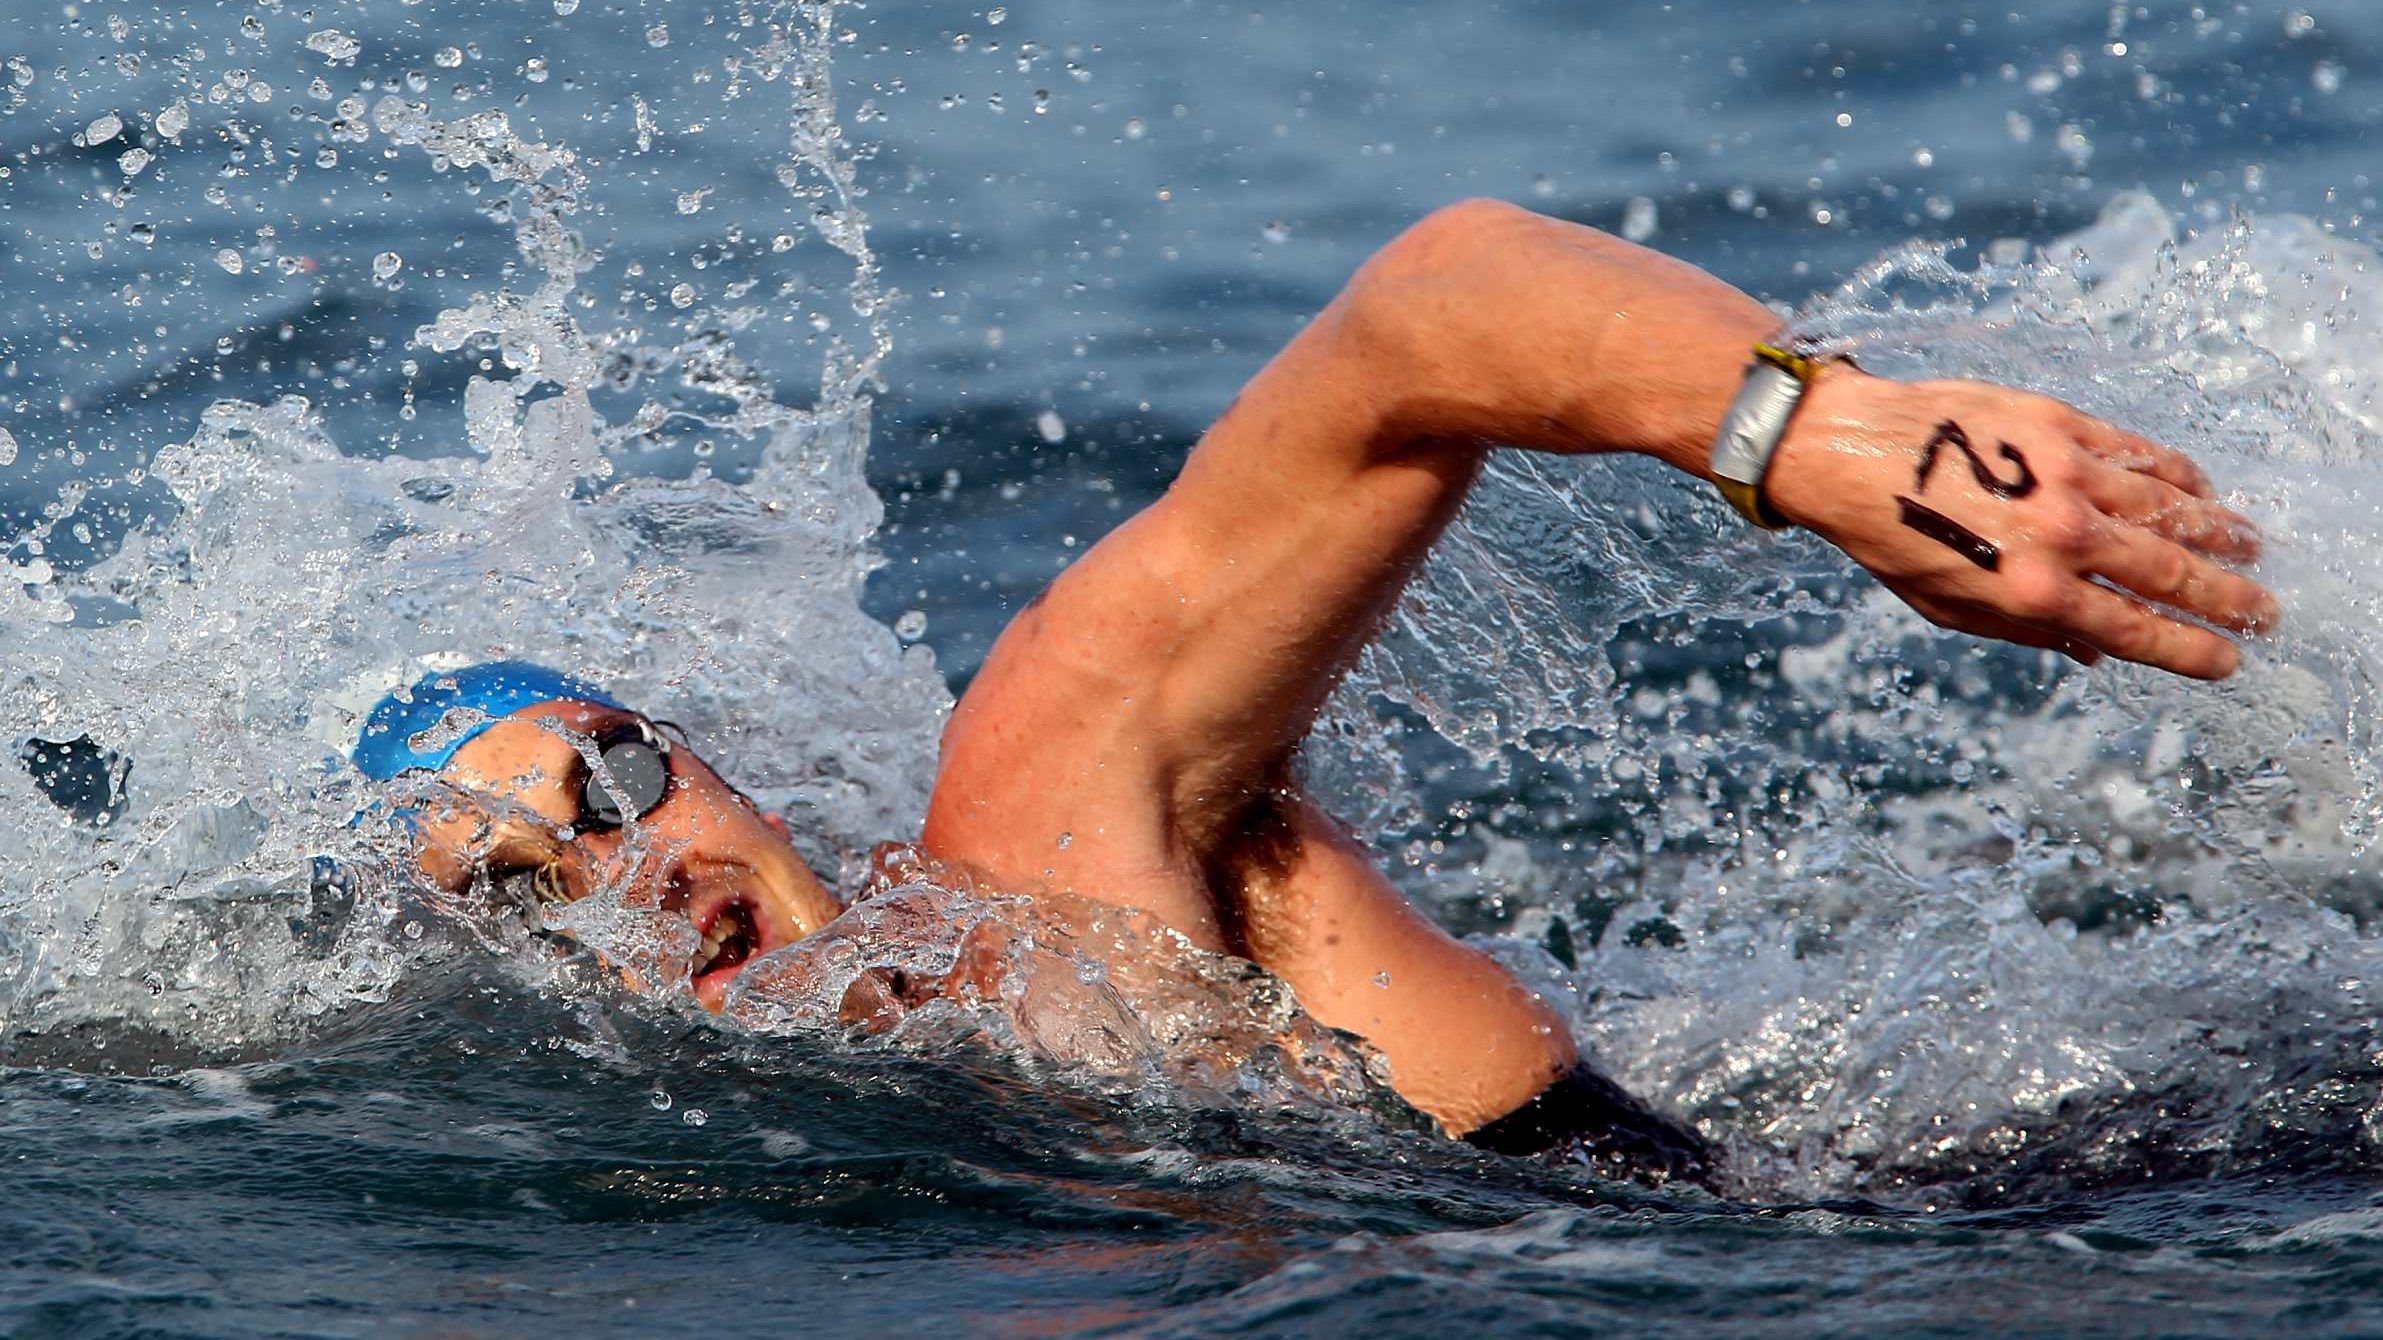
x: 1869, y: 858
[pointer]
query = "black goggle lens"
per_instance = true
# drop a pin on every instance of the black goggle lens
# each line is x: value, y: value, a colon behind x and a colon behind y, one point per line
x: 638, y: 772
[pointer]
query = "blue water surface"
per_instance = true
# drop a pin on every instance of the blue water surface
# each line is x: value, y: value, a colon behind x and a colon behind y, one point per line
x: 1096, y: 240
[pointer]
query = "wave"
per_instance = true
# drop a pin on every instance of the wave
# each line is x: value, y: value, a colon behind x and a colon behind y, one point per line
x: 1879, y: 909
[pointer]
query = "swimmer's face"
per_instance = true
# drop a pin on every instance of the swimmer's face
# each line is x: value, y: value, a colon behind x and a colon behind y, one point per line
x: 704, y: 851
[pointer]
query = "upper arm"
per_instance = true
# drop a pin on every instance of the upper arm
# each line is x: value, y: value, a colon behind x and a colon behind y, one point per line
x: 1125, y: 717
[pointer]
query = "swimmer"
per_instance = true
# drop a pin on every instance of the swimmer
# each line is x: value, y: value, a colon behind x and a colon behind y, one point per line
x: 1129, y: 738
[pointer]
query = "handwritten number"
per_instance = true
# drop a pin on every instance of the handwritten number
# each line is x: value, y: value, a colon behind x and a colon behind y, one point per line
x: 1951, y: 534
x: 1943, y: 529
x: 1950, y: 434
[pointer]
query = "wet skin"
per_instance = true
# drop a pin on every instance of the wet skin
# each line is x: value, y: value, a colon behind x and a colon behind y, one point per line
x: 704, y: 851
x: 1129, y: 739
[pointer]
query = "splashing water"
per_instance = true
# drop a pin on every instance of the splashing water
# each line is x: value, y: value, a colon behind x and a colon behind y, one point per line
x: 1882, y: 906
x: 1875, y: 906
x: 237, y: 883
x: 208, y: 652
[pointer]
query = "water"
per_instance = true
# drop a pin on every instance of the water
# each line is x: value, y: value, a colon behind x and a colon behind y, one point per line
x: 761, y: 359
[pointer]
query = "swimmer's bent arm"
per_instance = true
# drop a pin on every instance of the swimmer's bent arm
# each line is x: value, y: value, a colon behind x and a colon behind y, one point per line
x: 1128, y: 736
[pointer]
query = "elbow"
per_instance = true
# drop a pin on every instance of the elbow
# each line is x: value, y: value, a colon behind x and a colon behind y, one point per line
x: 1414, y: 326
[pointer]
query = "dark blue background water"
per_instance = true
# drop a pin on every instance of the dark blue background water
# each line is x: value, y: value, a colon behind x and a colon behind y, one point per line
x: 1096, y: 248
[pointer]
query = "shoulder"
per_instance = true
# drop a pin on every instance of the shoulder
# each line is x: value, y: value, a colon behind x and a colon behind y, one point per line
x: 1056, y: 724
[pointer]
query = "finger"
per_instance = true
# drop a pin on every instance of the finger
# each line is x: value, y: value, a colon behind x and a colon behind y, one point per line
x: 2132, y: 631
x: 1985, y: 623
x: 2170, y: 511
x: 1979, y: 621
x: 2142, y: 455
x: 2158, y: 570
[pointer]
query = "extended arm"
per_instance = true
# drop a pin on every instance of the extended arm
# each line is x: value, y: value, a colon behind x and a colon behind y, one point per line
x: 1127, y: 737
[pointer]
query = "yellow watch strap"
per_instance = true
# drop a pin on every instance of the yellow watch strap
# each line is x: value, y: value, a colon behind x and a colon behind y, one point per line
x: 1748, y: 499
x: 1802, y: 367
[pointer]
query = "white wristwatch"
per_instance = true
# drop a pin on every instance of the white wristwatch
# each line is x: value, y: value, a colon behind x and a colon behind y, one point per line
x: 1750, y: 433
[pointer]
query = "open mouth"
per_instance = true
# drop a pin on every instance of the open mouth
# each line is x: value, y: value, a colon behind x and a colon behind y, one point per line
x: 733, y: 937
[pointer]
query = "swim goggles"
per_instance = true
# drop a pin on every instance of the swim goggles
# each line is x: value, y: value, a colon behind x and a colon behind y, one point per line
x: 413, y: 729
x: 634, y: 780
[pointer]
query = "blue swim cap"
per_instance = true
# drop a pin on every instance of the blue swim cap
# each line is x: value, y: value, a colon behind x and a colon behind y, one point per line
x: 384, y: 748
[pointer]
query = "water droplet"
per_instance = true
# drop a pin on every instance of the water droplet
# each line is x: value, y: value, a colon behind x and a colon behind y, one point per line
x: 534, y: 69
x: 449, y: 57
x: 682, y: 295
x: 173, y: 121
x: 658, y: 35
x: 1276, y: 232
x: 996, y: 16
x: 1051, y: 427
x: 8, y: 447
x: 1066, y: 840
x: 566, y: 7
x: 1639, y: 219
x: 911, y: 626
x: 386, y: 265
x: 2328, y: 76
x: 1382, y: 980
x: 103, y: 129
x: 691, y: 202
x: 2074, y: 146
x: 413, y: 930
x: 695, y: 1116
x: 133, y: 161
x: 2020, y: 127
x: 230, y: 261
x: 1741, y: 198
x: 782, y: 242
x: 660, y: 1100
x: 1136, y: 127
x: 333, y: 46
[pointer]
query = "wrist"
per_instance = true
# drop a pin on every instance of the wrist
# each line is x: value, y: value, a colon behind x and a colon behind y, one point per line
x: 1843, y: 408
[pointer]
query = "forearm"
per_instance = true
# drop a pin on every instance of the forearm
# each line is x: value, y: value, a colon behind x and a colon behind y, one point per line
x: 1486, y: 323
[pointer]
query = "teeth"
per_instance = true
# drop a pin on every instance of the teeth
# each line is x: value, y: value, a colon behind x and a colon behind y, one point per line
x: 712, y: 942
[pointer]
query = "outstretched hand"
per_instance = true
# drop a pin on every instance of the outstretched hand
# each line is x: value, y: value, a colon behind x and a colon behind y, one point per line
x: 2017, y: 517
